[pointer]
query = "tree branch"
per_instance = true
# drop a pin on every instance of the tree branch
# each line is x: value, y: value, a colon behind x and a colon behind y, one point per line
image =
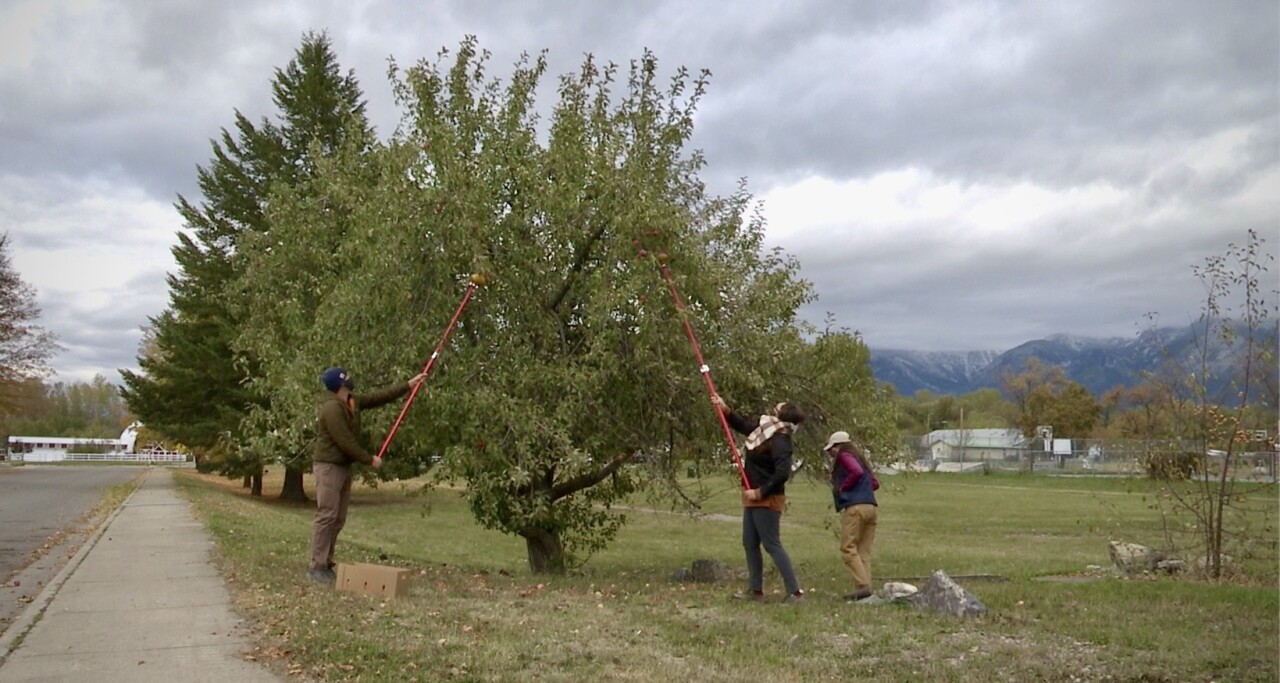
x: 579, y: 261
x: 591, y: 478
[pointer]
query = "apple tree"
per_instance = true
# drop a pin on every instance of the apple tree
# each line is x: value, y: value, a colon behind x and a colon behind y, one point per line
x: 571, y: 363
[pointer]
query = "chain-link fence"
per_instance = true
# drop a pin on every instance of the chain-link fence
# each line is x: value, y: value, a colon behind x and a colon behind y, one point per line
x: 956, y: 452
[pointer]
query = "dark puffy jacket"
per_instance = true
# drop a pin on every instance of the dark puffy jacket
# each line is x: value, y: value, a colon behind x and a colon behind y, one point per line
x: 338, y: 426
x: 850, y: 483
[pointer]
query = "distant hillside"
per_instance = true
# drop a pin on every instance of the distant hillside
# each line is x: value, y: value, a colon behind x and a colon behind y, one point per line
x: 1096, y: 364
x: 940, y: 372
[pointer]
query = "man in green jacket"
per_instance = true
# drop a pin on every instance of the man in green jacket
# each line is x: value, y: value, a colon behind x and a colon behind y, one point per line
x: 337, y: 448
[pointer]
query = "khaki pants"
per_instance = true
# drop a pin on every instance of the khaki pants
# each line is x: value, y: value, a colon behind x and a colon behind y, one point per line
x: 333, y: 495
x: 857, y: 533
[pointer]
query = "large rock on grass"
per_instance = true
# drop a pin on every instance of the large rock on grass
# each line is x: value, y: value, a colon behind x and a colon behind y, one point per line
x: 1131, y: 558
x: 942, y: 594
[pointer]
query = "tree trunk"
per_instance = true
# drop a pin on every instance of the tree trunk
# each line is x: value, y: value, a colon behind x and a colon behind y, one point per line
x: 256, y: 489
x: 546, y: 552
x: 248, y: 481
x: 292, y: 489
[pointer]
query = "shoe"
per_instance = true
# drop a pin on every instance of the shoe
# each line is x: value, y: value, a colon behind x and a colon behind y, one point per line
x: 321, y: 575
x: 794, y: 599
x: 754, y: 596
x: 859, y: 595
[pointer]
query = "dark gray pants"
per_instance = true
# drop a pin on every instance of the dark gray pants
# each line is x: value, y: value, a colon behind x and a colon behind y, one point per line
x: 761, y: 526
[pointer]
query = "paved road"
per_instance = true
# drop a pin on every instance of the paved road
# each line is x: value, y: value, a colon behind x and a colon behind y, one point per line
x: 139, y: 602
x: 37, y: 502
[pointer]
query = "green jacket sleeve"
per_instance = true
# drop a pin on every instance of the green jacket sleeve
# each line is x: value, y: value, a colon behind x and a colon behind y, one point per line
x: 380, y: 397
x: 333, y: 421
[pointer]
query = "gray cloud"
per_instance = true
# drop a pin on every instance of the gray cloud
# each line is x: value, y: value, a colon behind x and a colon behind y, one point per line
x: 102, y: 339
x: 926, y: 292
x: 1149, y: 132
x: 1042, y: 91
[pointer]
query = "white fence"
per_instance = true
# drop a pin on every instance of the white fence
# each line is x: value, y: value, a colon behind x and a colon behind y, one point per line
x: 1123, y: 457
x: 147, y: 456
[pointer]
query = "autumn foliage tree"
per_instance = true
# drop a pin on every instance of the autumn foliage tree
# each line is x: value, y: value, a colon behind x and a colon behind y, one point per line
x: 25, y: 347
x: 84, y: 409
x: 1042, y: 395
x: 1212, y: 515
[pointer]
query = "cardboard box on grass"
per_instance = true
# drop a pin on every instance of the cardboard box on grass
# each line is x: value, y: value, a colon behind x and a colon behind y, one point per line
x: 373, y: 579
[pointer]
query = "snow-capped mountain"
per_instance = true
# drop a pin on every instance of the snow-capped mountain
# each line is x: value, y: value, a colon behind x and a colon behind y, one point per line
x: 1096, y: 364
x: 940, y: 372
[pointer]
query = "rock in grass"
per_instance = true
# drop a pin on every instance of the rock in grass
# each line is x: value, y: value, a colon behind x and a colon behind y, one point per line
x: 712, y: 571
x: 1131, y: 558
x: 706, y: 571
x: 942, y: 594
x: 897, y: 591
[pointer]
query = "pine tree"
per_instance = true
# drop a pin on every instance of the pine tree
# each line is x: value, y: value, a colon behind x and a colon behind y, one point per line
x: 195, y: 386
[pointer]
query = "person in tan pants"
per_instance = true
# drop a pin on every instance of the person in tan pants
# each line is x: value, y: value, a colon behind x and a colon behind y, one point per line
x: 337, y: 448
x: 853, y: 486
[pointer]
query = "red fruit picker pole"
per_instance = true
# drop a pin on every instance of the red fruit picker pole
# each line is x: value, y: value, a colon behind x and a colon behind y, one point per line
x: 703, y: 368
x: 476, y: 280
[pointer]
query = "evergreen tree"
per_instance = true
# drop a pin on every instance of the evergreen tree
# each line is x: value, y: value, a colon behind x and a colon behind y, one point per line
x: 195, y: 386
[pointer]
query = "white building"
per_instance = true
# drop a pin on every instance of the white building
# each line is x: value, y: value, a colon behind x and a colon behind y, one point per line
x: 65, y: 448
x: 975, y: 444
x: 57, y: 448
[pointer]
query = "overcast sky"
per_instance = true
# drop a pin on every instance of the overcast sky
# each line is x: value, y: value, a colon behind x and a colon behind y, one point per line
x: 951, y: 175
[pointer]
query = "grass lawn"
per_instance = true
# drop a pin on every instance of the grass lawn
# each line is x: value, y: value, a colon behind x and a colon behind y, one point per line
x: 475, y: 613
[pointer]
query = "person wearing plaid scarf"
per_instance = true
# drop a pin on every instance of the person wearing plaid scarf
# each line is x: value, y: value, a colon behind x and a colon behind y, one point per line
x: 767, y: 465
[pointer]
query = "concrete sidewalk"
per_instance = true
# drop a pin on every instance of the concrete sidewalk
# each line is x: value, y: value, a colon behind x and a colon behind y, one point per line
x: 140, y: 601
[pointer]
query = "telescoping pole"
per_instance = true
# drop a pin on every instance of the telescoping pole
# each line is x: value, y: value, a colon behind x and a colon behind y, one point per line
x: 426, y: 369
x: 703, y: 368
